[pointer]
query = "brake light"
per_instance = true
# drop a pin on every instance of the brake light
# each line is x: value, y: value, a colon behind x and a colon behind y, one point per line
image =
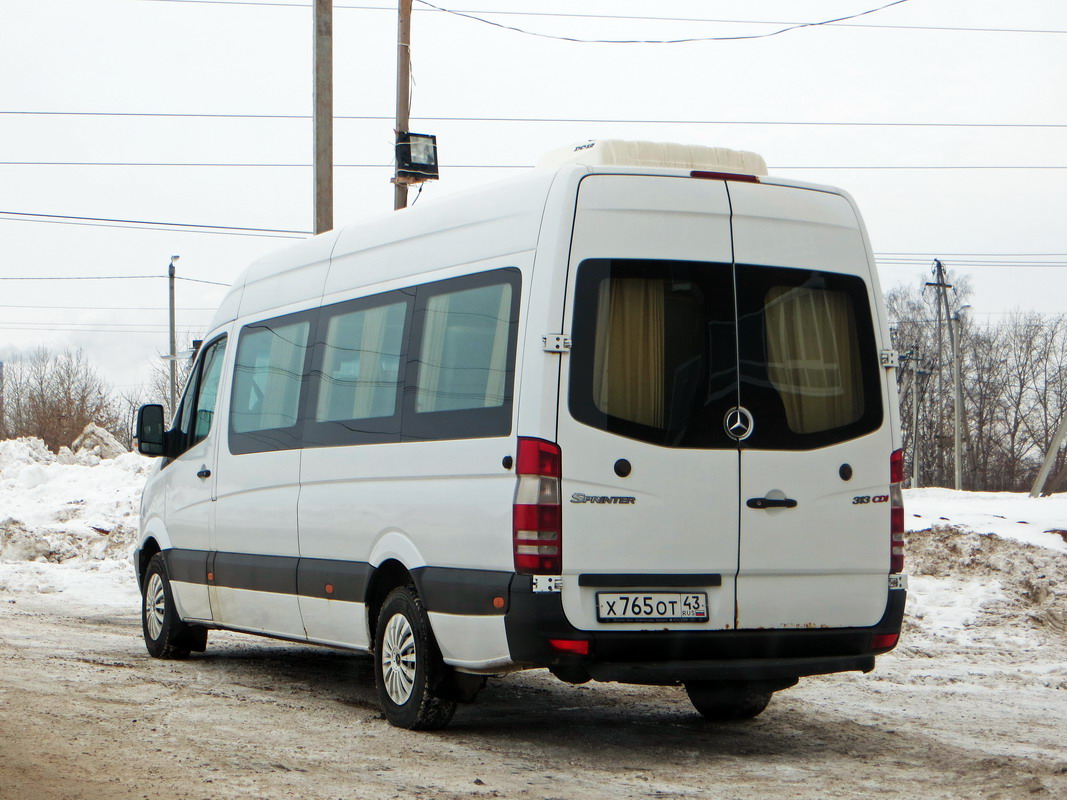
x: 896, y: 511
x: 884, y: 641
x: 579, y: 646
x: 723, y: 176
x: 536, y: 513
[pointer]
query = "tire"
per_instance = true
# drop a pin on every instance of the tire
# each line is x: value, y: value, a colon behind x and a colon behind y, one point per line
x: 724, y: 701
x: 165, y: 635
x: 408, y: 666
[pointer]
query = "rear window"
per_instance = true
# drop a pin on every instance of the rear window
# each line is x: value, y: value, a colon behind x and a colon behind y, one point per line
x: 663, y: 350
x: 654, y: 356
x: 809, y: 371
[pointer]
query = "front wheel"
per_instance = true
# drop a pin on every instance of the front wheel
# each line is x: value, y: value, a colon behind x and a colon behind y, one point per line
x: 723, y: 701
x: 165, y: 635
x: 407, y: 664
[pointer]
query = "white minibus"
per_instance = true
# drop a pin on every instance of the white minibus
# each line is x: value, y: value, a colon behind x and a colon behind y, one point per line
x: 629, y: 417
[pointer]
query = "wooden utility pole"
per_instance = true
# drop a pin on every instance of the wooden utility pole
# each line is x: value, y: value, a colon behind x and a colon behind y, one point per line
x: 403, y: 89
x: 323, y: 116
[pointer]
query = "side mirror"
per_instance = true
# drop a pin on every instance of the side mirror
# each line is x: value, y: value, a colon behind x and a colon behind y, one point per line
x: 151, y: 431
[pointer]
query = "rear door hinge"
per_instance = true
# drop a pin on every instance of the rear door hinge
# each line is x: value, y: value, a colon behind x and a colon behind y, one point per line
x: 890, y: 359
x: 556, y: 342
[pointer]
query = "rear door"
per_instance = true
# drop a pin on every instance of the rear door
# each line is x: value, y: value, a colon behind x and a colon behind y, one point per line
x: 814, y: 545
x: 650, y: 478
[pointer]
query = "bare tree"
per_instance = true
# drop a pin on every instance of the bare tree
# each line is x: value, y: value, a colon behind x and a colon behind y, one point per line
x: 54, y: 396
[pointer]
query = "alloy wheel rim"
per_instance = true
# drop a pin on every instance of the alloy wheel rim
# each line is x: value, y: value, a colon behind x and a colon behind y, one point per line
x: 155, y: 605
x: 398, y: 659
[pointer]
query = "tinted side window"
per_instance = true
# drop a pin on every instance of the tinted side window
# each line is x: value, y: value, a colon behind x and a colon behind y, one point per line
x: 809, y: 363
x: 654, y: 355
x: 201, y: 394
x: 359, y: 371
x: 461, y: 371
x: 268, y: 381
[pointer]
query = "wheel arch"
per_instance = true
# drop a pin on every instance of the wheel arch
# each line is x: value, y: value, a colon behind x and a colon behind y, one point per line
x: 387, y: 576
x: 149, y: 547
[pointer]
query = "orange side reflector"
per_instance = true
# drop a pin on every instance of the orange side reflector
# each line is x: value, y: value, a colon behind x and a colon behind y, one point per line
x: 329, y: 588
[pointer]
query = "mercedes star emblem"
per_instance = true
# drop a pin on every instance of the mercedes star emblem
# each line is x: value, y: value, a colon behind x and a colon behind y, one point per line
x: 738, y: 423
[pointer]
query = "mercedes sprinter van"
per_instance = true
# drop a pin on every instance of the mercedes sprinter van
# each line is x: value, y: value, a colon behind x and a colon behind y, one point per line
x: 630, y: 417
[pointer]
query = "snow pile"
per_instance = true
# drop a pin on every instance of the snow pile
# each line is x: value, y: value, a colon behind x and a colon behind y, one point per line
x: 1034, y: 520
x: 95, y: 444
x: 78, y: 505
x: 988, y: 570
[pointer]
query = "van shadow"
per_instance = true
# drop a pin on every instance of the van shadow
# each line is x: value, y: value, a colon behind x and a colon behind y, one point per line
x: 533, y: 711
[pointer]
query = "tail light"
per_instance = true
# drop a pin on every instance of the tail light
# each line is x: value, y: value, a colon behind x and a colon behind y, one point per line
x: 536, y: 519
x: 896, y: 511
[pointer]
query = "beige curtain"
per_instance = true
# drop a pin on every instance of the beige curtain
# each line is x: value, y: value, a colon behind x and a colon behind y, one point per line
x: 498, y: 361
x: 813, y: 357
x: 474, y: 324
x: 628, y: 379
x: 432, y: 354
x: 280, y: 377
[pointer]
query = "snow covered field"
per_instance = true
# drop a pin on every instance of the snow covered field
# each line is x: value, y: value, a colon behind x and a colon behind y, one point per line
x: 971, y: 704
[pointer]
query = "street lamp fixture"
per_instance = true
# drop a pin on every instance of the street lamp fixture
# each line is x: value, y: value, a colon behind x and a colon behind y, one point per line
x: 416, y: 158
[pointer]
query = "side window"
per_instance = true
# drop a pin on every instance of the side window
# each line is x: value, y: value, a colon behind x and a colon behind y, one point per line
x: 461, y: 372
x: 361, y: 364
x: 269, y: 375
x: 201, y: 395
x: 208, y: 391
x: 359, y: 371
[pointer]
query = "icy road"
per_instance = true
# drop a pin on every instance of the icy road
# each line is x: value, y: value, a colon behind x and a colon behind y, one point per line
x: 973, y: 704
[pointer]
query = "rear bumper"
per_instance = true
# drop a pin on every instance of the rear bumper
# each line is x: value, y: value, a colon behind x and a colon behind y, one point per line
x: 671, y: 657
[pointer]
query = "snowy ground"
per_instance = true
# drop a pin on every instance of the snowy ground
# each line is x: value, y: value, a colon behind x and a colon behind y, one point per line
x: 972, y: 704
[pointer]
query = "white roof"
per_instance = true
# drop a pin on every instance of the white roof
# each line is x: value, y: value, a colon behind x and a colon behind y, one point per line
x: 623, y: 153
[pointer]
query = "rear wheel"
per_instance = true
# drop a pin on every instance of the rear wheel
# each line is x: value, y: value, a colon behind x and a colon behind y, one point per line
x: 723, y: 701
x: 165, y: 635
x: 408, y: 667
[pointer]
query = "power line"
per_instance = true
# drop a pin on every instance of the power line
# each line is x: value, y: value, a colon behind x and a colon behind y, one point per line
x: 149, y: 228
x: 571, y: 120
x: 102, y: 278
x: 108, y: 308
x: 685, y: 40
x: 632, y: 17
x: 151, y: 222
x: 929, y: 256
x: 515, y: 166
x: 154, y: 332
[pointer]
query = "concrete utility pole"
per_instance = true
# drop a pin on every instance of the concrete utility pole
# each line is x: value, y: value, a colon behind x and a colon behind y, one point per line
x: 323, y: 124
x: 916, y: 439
x: 957, y: 447
x: 173, y: 357
x: 1046, y: 467
x: 942, y: 301
x: 403, y: 89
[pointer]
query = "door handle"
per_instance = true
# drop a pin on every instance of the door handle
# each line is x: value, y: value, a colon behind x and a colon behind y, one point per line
x: 768, y: 502
x: 204, y: 473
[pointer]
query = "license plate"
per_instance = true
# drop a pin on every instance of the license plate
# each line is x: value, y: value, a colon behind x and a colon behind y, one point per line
x: 652, y: 606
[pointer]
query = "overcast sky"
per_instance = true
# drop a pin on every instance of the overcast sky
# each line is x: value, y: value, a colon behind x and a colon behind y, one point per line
x: 946, y: 120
